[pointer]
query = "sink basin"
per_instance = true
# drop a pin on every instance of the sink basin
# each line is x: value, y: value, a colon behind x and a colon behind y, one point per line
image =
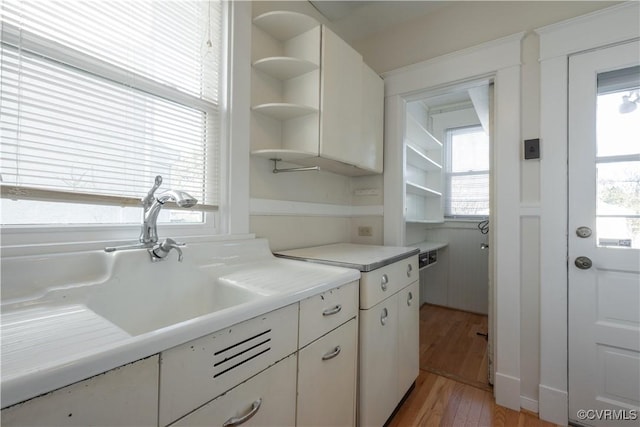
x: 141, y: 296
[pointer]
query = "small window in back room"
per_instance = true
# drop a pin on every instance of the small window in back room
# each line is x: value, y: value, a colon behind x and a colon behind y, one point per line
x: 467, y: 172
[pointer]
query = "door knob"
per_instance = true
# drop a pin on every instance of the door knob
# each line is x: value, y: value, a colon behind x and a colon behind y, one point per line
x: 583, y: 263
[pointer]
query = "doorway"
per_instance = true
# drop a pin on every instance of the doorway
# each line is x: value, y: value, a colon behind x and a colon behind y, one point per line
x: 604, y: 236
x: 454, y: 166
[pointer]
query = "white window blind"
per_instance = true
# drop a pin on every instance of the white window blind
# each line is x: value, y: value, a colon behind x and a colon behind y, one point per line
x: 467, y: 172
x: 97, y: 98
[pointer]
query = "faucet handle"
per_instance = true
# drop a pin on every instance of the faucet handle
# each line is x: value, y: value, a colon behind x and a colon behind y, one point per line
x: 161, y: 250
x: 148, y: 199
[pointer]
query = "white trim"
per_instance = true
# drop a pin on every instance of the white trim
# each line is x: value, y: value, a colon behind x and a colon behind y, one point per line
x: 507, y: 391
x: 472, y: 62
x: 529, y: 404
x: 267, y: 207
x: 557, y: 42
x: 555, y: 403
x: 607, y: 26
x: 499, y: 60
x: 235, y: 212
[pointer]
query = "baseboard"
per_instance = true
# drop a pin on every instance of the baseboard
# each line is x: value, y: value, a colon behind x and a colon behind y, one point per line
x: 553, y: 405
x: 529, y: 404
x: 507, y: 391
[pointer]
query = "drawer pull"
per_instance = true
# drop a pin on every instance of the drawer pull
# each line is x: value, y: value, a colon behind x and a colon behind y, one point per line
x: 333, y: 310
x: 409, y: 270
x: 236, y: 421
x: 333, y: 353
x: 385, y: 280
x: 409, y: 298
x: 383, y: 317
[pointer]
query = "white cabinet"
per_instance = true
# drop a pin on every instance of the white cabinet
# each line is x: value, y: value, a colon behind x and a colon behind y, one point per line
x: 124, y: 396
x: 389, y: 341
x: 408, y: 336
x: 327, y: 360
x: 268, y: 399
x: 423, y: 181
x: 378, y: 362
x: 194, y: 373
x: 314, y: 103
x: 327, y: 379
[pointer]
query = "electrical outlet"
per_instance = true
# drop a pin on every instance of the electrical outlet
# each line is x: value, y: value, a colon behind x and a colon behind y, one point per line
x: 365, y: 231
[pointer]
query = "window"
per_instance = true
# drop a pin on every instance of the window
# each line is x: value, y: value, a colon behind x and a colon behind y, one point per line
x: 97, y: 98
x: 467, y: 172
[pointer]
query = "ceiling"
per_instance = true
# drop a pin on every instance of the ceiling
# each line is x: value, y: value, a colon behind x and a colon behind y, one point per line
x: 354, y: 20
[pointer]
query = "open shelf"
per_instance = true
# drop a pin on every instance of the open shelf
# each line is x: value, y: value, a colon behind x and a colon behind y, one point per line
x: 283, y: 67
x: 284, y: 25
x: 419, y: 136
x: 419, y: 190
x: 284, y: 111
x: 417, y: 159
x: 423, y: 221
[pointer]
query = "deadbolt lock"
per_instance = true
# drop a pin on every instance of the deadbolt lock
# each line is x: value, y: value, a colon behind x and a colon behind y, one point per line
x: 583, y: 232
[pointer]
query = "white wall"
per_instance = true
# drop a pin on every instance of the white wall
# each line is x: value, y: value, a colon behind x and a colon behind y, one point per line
x: 290, y: 225
x: 462, y: 25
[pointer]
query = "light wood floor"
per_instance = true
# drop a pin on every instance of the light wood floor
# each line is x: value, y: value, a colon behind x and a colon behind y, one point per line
x: 452, y: 389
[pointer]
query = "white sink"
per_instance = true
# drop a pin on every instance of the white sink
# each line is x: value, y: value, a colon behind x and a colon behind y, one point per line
x: 144, y: 298
x: 140, y: 296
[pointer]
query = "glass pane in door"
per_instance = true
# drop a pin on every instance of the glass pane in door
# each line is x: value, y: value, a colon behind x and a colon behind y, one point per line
x: 618, y: 158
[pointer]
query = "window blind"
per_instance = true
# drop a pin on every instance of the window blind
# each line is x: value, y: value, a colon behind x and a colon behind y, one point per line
x: 97, y: 98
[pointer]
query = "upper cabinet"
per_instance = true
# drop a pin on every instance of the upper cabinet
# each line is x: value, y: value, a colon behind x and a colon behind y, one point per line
x: 423, y: 171
x: 314, y: 101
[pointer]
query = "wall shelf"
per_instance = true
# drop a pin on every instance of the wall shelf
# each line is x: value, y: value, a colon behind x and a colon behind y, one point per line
x: 284, y: 25
x: 419, y: 190
x: 419, y: 160
x: 283, y: 110
x: 283, y: 67
x: 419, y: 136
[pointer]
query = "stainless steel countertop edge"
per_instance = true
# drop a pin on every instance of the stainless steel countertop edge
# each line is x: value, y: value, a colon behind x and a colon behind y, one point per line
x: 364, y: 268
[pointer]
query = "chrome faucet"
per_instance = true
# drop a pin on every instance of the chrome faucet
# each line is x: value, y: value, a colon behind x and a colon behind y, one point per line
x: 152, y: 205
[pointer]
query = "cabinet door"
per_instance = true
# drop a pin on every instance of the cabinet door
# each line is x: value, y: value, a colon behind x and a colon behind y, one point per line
x: 268, y: 399
x: 378, y: 362
x: 408, y: 337
x: 125, y: 396
x: 372, y: 120
x: 341, y: 100
x: 327, y: 379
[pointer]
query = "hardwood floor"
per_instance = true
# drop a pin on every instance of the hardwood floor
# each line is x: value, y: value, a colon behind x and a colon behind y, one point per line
x: 452, y: 389
x: 450, y: 345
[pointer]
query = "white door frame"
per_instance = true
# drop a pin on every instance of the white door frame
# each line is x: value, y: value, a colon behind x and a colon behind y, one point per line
x: 558, y: 41
x: 501, y: 61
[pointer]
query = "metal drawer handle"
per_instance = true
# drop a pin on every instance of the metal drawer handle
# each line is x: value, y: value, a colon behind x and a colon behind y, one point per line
x: 333, y: 353
x: 236, y: 421
x: 333, y: 310
x: 383, y: 317
x: 409, y: 269
x: 385, y: 280
x: 409, y: 298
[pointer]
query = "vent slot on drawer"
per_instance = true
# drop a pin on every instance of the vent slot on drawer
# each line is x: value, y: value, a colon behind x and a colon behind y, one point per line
x: 237, y: 354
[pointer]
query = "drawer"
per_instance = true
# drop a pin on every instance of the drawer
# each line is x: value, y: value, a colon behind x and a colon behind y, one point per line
x: 379, y: 284
x: 194, y: 373
x: 268, y: 399
x: 326, y: 311
x: 327, y: 379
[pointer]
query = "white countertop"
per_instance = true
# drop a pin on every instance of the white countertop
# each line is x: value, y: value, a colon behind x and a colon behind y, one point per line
x: 361, y: 257
x: 46, y: 347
